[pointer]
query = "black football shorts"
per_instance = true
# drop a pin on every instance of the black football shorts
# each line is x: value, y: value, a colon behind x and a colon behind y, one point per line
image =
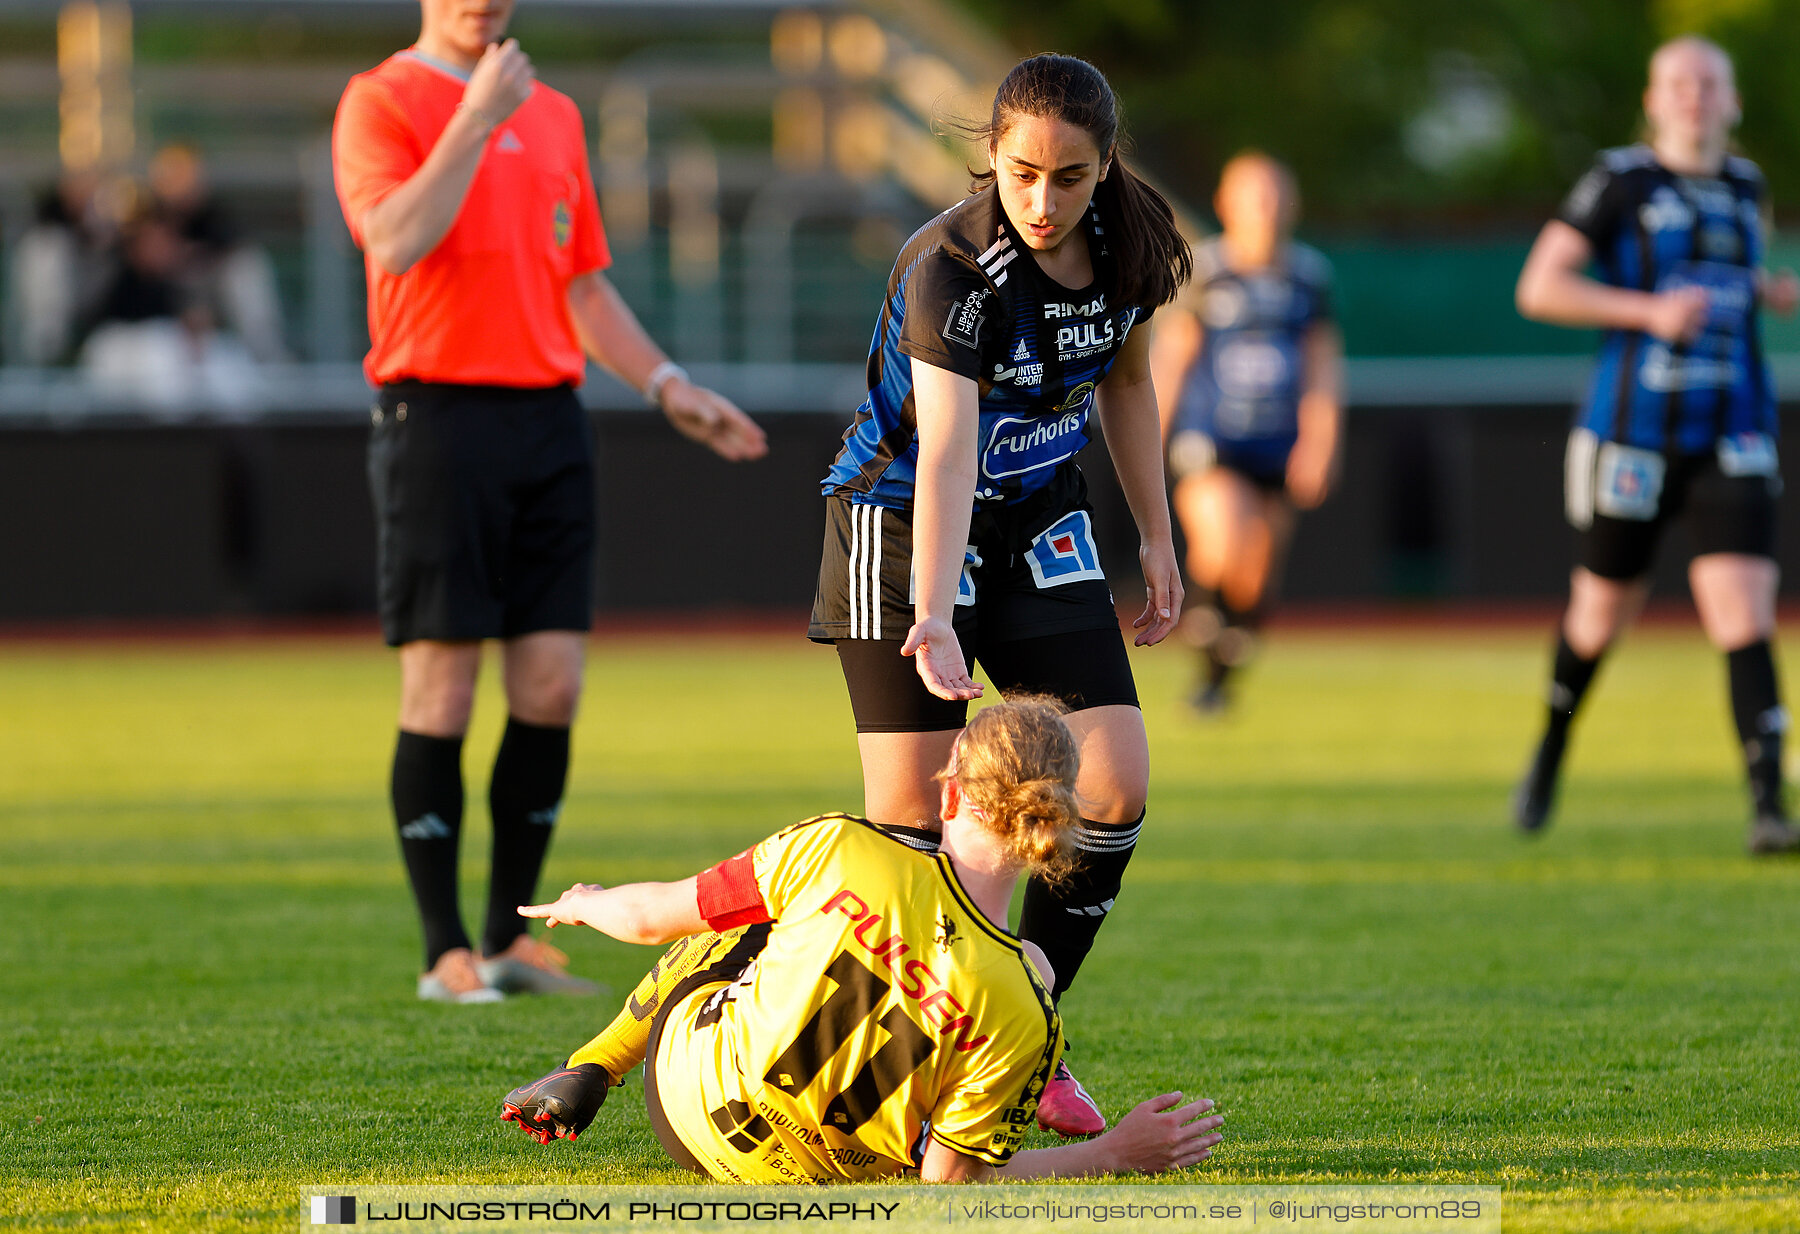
x: 1620, y: 499
x: 1032, y: 608
x: 484, y: 510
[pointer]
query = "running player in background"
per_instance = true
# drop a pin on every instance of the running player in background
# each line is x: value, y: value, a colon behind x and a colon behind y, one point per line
x: 1681, y: 419
x: 861, y: 1010
x: 1249, y: 377
x: 957, y: 523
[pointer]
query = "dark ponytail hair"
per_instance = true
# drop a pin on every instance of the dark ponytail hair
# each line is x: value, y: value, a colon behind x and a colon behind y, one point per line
x: 1150, y: 259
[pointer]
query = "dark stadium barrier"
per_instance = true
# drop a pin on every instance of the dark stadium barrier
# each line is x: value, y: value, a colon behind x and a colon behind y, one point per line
x: 134, y: 520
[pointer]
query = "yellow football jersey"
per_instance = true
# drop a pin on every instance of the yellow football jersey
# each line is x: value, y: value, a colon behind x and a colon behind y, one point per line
x: 882, y: 1008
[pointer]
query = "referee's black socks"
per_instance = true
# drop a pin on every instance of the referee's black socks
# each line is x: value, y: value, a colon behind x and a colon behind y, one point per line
x: 427, y: 794
x: 524, y: 798
x: 1063, y: 918
x: 1761, y: 721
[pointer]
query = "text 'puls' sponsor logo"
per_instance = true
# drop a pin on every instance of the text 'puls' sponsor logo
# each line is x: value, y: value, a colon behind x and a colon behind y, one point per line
x: 913, y: 977
x: 1089, y: 329
x: 1084, y: 338
x: 1665, y: 211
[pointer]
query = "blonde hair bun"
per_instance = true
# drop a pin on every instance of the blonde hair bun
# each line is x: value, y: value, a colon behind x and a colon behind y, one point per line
x: 1016, y: 764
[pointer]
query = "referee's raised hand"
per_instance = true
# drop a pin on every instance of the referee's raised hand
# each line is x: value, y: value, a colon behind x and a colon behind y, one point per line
x: 501, y: 82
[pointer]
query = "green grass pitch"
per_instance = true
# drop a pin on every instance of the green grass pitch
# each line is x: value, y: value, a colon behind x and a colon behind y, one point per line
x: 207, y: 952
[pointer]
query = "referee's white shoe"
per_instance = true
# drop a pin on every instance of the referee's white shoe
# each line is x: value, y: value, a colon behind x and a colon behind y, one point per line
x: 531, y: 966
x: 1770, y: 835
x: 454, y: 979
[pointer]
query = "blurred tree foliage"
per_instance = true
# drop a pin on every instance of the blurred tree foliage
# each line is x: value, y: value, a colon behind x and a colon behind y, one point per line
x: 1395, y: 111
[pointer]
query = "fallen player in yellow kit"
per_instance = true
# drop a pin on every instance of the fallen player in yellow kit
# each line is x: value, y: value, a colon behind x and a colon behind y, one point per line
x: 839, y: 1006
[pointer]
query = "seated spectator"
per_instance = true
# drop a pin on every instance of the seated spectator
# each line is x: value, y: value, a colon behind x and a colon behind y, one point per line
x: 152, y: 340
x: 60, y: 265
x: 235, y: 275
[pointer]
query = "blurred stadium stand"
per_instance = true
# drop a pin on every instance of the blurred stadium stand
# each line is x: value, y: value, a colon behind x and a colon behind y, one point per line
x: 759, y: 164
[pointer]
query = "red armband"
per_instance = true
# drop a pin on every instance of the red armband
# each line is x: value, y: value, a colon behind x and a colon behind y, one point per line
x: 728, y: 896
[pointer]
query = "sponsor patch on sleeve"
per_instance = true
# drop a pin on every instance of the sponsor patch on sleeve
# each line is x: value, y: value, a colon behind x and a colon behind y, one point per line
x: 966, y: 319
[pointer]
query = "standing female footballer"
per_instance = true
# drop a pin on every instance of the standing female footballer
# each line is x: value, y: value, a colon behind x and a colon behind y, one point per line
x: 1681, y: 420
x: 843, y: 1007
x: 957, y: 524
x: 1248, y: 378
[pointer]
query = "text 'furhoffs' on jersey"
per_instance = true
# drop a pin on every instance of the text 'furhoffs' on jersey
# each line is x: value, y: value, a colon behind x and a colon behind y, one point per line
x: 967, y: 296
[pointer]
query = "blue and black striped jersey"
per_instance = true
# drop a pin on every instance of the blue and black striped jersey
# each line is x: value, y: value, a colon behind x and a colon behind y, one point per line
x: 967, y: 296
x: 1654, y: 230
x: 1245, y: 385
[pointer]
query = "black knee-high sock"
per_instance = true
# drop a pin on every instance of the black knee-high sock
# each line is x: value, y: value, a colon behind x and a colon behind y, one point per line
x: 1570, y: 676
x: 1761, y: 721
x: 1207, y: 620
x: 1064, y: 918
x: 1236, y: 640
x: 427, y: 794
x: 524, y: 797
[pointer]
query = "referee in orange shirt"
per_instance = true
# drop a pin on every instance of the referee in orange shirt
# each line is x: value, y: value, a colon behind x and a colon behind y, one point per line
x: 465, y: 182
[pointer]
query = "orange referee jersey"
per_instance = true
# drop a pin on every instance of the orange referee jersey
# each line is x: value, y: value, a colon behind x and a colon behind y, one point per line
x: 489, y: 305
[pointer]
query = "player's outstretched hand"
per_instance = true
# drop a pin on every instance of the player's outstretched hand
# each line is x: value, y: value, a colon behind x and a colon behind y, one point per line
x: 571, y: 907
x: 1679, y: 314
x: 1162, y: 1134
x: 501, y: 82
x: 938, y: 657
x: 1162, y: 593
x: 713, y: 420
x: 1781, y: 292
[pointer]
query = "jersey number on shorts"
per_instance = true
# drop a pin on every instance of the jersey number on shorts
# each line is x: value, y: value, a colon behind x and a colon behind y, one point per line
x: 859, y: 991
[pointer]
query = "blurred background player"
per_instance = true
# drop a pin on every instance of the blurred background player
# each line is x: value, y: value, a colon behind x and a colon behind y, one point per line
x: 1681, y: 419
x: 466, y: 184
x: 957, y: 524
x: 759, y: 1066
x: 1248, y: 370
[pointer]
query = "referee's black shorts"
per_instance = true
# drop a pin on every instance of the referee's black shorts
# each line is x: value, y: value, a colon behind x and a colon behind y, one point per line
x: 1033, y: 608
x: 484, y: 510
